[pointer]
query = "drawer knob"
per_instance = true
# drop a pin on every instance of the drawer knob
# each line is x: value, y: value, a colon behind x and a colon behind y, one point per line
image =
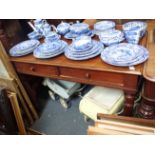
x: 32, y: 68
x: 87, y: 75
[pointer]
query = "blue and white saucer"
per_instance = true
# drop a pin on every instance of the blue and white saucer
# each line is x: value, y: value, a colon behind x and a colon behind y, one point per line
x: 24, y: 48
x: 124, y: 54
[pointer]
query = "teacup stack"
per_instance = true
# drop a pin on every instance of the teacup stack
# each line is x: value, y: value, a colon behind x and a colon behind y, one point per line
x: 134, y: 31
x: 82, y: 48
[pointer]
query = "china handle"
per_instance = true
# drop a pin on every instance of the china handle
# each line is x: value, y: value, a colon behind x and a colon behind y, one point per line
x: 54, y: 28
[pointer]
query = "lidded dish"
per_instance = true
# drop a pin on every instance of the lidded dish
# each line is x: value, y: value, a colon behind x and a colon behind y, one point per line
x: 63, y: 28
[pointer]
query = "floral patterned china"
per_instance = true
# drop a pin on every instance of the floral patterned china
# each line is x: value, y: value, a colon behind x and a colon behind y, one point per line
x: 125, y: 54
x: 50, y: 49
x: 134, y: 31
x: 72, y: 53
x: 82, y: 43
x: 24, y: 48
x: 111, y: 37
x: 63, y: 28
x: 103, y: 26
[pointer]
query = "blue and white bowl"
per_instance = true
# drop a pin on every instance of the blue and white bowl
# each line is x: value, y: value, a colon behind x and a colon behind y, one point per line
x: 134, y: 31
x: 103, y: 26
x: 111, y: 37
x: 63, y: 28
x: 82, y: 43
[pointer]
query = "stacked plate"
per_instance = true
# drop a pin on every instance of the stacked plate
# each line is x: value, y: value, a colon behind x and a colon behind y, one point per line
x: 102, y: 26
x: 111, y: 37
x: 24, y: 48
x: 50, y: 49
x: 79, y: 29
x: 83, y: 48
x: 124, y: 54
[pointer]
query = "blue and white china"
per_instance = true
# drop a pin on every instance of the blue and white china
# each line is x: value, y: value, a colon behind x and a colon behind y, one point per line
x: 134, y: 31
x: 71, y: 35
x: 82, y: 43
x: 50, y: 49
x: 73, y: 54
x: 63, y: 28
x: 124, y: 54
x: 52, y: 36
x: 34, y: 35
x: 79, y: 28
x: 46, y: 29
x: 103, y: 26
x: 24, y: 48
x: 111, y: 37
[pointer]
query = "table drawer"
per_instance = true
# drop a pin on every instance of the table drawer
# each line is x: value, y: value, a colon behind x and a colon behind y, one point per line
x: 36, y: 69
x: 92, y: 77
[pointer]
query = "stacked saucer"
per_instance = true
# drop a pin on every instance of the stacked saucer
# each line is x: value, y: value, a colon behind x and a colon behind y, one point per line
x: 50, y: 49
x: 24, y: 48
x: 102, y: 26
x: 79, y: 29
x: 111, y: 37
x: 83, y: 48
x: 124, y: 54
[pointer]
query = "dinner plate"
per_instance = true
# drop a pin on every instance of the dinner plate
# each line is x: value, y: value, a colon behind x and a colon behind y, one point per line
x: 125, y: 54
x: 43, y: 55
x: 24, y: 48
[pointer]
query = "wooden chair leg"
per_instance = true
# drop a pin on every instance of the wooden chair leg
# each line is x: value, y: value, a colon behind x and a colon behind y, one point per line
x: 17, y: 113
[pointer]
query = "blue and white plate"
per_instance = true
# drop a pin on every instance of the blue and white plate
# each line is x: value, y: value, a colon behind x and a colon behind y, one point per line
x: 71, y: 53
x: 49, y: 47
x: 39, y: 53
x: 124, y: 54
x: 71, y: 35
x: 24, y: 48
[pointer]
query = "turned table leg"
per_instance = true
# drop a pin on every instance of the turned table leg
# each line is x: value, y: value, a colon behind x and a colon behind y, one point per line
x: 147, y: 106
x: 128, y: 104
